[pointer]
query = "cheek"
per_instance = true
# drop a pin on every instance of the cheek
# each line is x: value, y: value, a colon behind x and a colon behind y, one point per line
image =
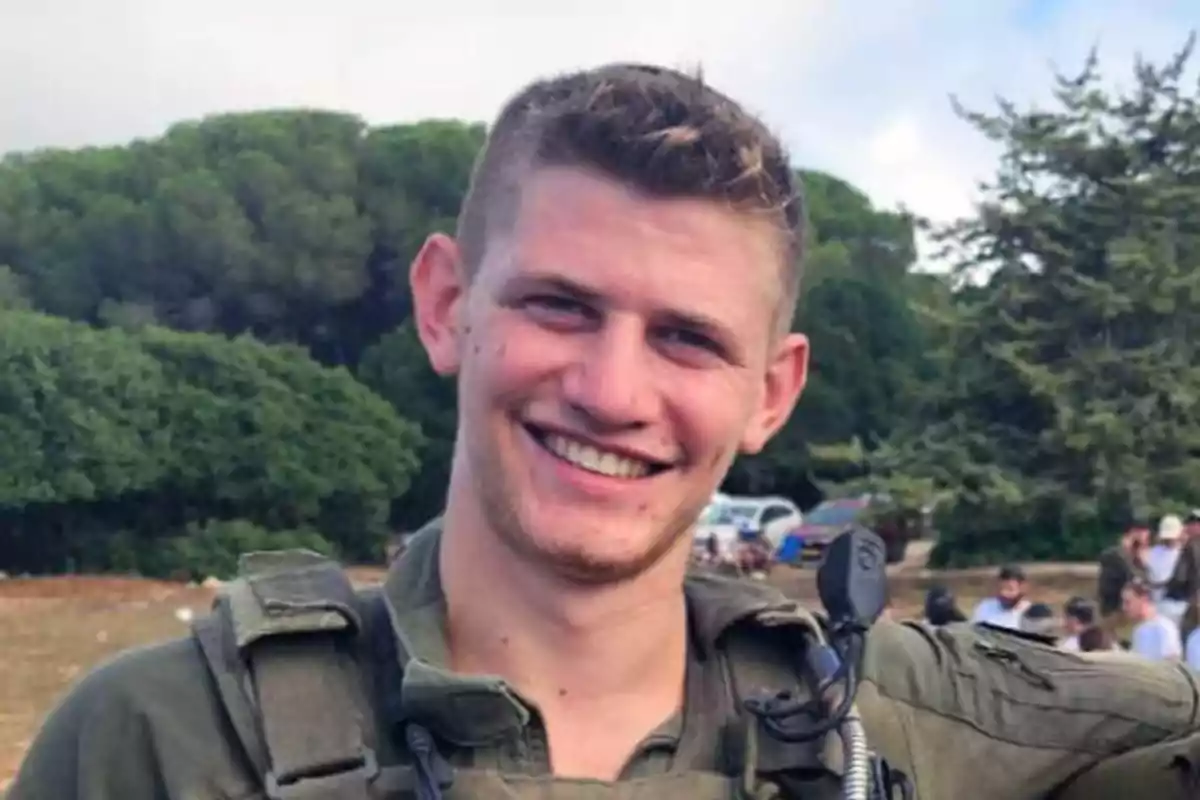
x: 510, y: 358
x: 712, y: 412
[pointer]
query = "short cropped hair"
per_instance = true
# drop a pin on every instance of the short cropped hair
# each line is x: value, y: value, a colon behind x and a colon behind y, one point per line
x: 1011, y: 572
x: 1079, y: 609
x: 661, y: 132
x: 1095, y: 639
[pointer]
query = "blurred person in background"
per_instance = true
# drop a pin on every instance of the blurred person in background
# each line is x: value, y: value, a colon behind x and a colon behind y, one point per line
x: 1078, y: 615
x: 941, y: 607
x: 1039, y: 620
x: 1185, y: 580
x: 1096, y: 640
x: 1006, y: 607
x: 1161, y: 560
x: 1119, y: 565
x: 1154, y: 635
x: 1189, y: 633
x: 753, y: 555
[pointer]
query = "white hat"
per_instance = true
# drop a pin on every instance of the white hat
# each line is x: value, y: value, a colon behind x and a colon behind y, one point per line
x: 1170, y: 528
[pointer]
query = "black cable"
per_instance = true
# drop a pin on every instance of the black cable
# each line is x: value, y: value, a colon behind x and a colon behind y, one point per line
x: 777, y: 712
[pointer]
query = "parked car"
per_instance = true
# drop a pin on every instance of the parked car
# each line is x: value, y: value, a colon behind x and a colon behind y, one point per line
x: 894, y: 525
x: 736, y: 518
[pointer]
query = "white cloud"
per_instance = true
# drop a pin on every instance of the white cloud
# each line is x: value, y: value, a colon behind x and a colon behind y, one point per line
x: 897, y: 143
x: 85, y: 72
x: 857, y: 87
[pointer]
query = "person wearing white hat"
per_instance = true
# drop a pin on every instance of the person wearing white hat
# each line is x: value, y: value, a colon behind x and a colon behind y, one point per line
x: 1160, y: 566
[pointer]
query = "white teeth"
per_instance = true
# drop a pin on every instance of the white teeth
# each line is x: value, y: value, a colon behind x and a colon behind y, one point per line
x: 587, y: 457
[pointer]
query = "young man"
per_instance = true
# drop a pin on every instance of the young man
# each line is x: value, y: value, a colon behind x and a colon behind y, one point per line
x: 1039, y: 620
x: 1161, y: 561
x: 941, y: 607
x: 1120, y: 564
x: 1078, y: 616
x: 616, y: 307
x: 1096, y: 640
x: 1154, y: 635
x: 1006, y: 608
x: 1184, y: 584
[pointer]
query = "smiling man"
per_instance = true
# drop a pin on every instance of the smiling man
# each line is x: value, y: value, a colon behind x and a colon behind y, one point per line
x: 614, y: 358
x: 615, y: 306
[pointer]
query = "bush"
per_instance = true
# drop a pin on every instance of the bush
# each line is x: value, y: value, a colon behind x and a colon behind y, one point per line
x: 974, y: 537
x: 213, y: 549
x: 153, y: 432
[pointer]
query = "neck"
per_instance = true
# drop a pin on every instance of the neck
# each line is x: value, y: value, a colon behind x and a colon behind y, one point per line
x: 559, y: 644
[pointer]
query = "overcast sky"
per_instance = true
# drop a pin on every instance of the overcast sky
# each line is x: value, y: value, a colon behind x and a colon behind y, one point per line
x: 856, y: 87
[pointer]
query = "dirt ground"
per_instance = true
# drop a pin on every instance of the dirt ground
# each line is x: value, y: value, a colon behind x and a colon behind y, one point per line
x: 54, y: 629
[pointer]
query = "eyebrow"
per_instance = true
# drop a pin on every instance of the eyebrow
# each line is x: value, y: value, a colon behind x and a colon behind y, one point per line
x: 577, y: 291
x: 559, y: 284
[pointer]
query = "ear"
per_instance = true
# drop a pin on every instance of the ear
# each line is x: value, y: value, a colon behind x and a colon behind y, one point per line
x: 784, y: 381
x: 438, y: 283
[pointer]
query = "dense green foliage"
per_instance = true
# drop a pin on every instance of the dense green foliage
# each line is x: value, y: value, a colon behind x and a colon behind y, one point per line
x: 148, y: 432
x: 1067, y: 401
x: 205, y: 345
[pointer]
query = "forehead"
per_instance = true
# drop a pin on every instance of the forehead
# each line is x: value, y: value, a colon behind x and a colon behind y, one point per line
x: 690, y: 254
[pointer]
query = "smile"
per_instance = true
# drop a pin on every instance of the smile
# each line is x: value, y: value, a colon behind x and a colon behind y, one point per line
x: 593, y: 459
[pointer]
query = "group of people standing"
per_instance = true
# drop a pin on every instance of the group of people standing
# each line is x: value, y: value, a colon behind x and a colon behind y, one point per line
x: 1147, y: 598
x: 1151, y: 581
x: 1076, y: 628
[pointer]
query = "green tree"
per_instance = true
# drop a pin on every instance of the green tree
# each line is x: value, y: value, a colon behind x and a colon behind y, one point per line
x: 298, y: 227
x: 1072, y: 372
x: 294, y: 226
x: 397, y: 369
x: 869, y: 356
x: 148, y: 432
x: 14, y: 296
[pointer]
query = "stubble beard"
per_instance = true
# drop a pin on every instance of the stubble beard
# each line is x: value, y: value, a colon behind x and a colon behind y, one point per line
x: 569, y: 562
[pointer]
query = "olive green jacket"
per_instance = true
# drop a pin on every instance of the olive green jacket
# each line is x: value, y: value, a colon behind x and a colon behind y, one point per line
x: 963, y: 711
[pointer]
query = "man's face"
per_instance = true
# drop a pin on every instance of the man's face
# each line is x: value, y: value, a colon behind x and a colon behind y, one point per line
x: 1009, y: 592
x: 1072, y: 625
x: 1137, y: 538
x: 614, y: 354
x: 1133, y: 604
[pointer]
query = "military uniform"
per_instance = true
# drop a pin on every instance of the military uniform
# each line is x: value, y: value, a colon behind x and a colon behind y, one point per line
x: 299, y: 687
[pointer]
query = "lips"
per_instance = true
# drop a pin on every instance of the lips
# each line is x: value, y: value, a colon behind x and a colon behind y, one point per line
x: 597, y: 460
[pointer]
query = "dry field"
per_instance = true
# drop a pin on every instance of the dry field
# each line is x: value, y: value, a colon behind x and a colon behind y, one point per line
x: 53, y: 629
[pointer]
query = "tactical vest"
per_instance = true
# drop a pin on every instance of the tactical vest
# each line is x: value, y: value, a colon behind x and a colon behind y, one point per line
x: 310, y: 669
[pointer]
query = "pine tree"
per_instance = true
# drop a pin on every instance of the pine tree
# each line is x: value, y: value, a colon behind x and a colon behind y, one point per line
x: 1071, y: 395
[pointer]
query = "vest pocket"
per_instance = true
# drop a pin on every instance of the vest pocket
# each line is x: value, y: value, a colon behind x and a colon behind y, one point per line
x: 1037, y: 695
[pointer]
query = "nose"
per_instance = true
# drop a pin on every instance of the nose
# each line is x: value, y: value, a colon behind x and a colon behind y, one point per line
x: 611, y: 385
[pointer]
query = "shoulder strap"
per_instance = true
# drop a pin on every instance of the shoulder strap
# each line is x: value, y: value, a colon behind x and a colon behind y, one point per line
x: 764, y: 650
x: 764, y: 658
x: 282, y: 644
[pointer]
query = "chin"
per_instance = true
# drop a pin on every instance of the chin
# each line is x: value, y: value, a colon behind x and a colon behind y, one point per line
x: 593, y: 556
x: 582, y: 567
